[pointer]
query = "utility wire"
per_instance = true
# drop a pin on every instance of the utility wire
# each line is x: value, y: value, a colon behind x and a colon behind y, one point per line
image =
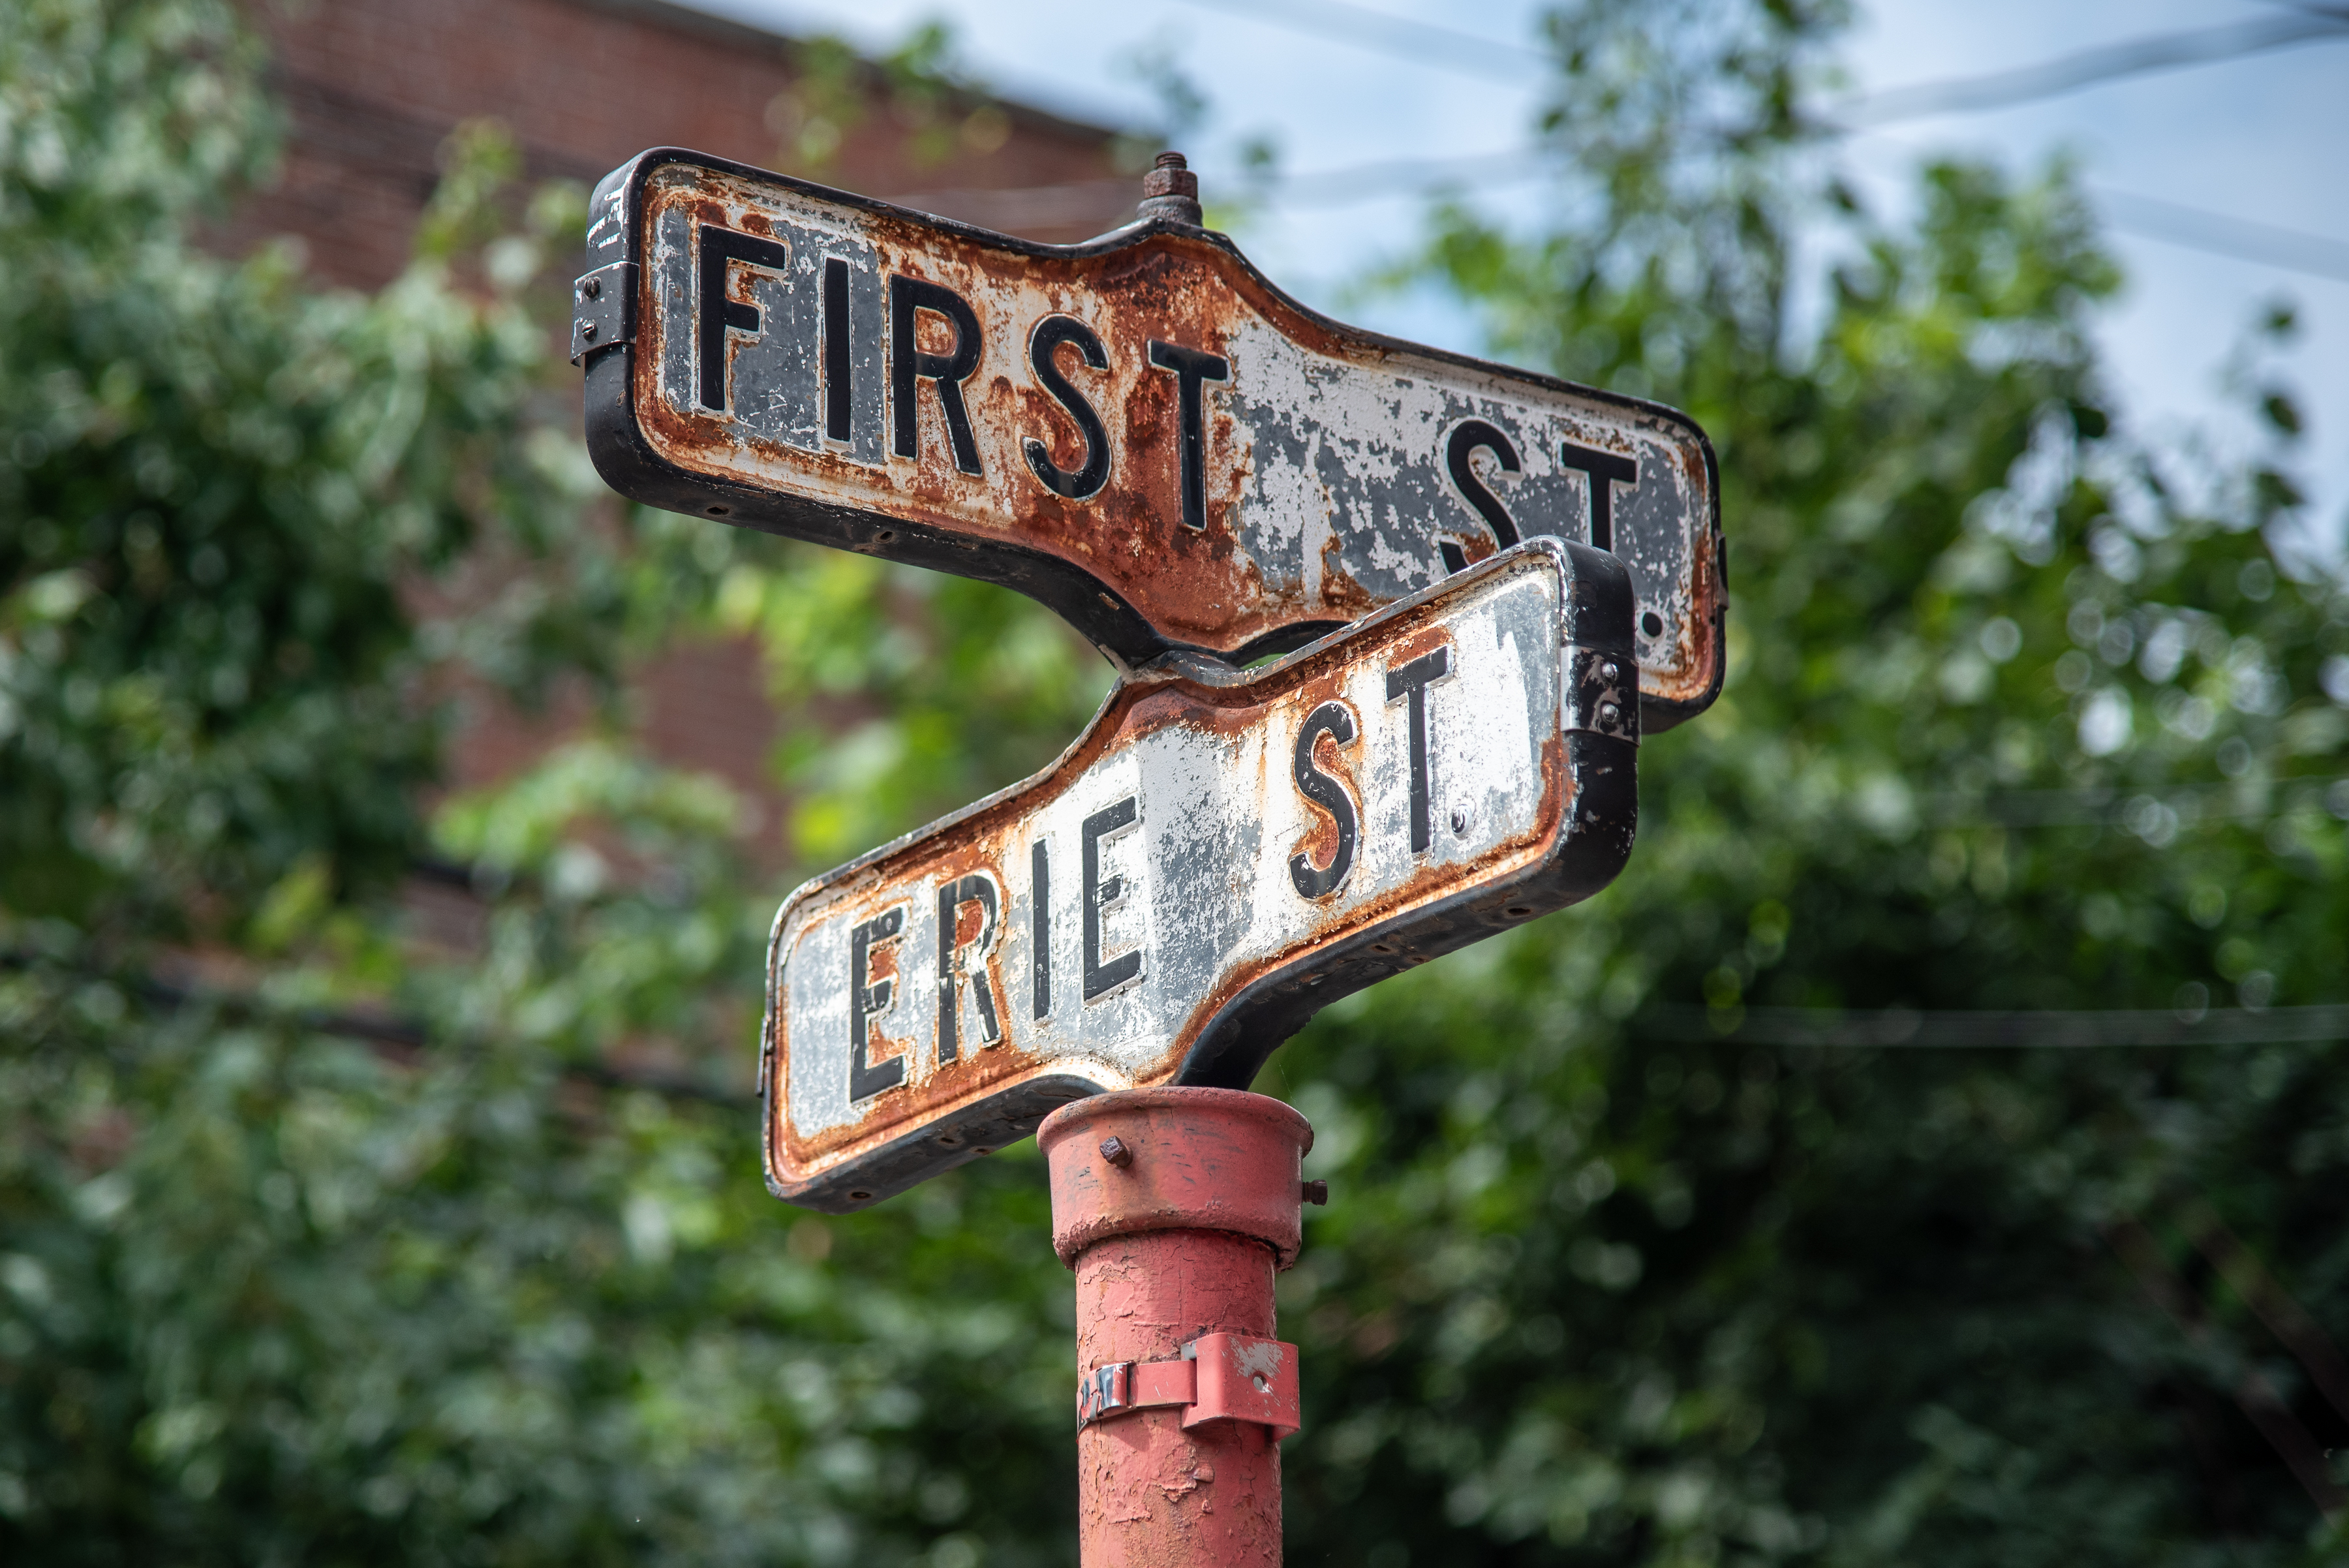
x: 1429, y: 44
x: 2154, y: 218
x: 1902, y: 1027
x: 2148, y: 217
x: 2315, y: 8
x: 1408, y: 176
x: 1422, y: 43
x: 2089, y: 67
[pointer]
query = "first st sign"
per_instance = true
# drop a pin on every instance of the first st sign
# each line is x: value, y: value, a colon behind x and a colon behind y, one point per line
x: 1140, y: 430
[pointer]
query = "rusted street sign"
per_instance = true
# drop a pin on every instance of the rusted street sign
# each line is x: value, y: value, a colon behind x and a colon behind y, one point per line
x: 1216, y: 857
x: 1141, y: 432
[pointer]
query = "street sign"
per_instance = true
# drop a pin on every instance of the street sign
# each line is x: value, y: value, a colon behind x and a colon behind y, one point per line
x: 1219, y: 855
x: 1141, y: 432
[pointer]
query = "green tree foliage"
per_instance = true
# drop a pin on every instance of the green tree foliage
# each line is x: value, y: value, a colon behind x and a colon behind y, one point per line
x: 313, y: 1247
x: 2021, y: 714
x: 319, y: 1242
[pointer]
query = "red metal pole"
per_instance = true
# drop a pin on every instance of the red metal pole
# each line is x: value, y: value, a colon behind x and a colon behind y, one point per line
x: 1176, y: 1207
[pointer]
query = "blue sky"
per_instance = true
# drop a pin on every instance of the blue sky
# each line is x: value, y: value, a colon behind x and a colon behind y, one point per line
x: 2254, y: 140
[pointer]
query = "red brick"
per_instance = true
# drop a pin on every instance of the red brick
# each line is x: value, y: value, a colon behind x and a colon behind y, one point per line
x: 373, y: 87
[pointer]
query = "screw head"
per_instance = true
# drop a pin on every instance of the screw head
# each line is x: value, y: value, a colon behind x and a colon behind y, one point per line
x: 1609, y: 672
x: 587, y: 331
x: 1113, y: 1149
x: 1460, y: 822
x: 1609, y: 712
x: 592, y: 287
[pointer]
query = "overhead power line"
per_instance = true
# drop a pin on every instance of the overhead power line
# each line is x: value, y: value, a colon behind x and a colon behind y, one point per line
x: 1448, y: 48
x: 1409, y: 176
x: 1422, y: 43
x: 1902, y: 1027
x: 2090, y: 67
x: 2148, y: 217
x: 2153, y: 218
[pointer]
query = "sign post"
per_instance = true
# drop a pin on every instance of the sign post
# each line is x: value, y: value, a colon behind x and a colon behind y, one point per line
x: 1487, y: 584
x: 1175, y: 1207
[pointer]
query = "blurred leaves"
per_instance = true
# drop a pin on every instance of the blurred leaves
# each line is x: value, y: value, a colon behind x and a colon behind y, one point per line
x: 934, y: 104
x: 2021, y: 713
x: 936, y: 690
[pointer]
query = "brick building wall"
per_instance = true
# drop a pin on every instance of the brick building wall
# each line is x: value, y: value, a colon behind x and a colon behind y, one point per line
x: 373, y: 87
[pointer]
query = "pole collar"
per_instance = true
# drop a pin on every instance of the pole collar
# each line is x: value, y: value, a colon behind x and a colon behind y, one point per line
x: 1197, y: 1160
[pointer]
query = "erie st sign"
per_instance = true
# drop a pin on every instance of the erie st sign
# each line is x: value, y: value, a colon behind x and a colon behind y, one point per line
x: 1217, y: 857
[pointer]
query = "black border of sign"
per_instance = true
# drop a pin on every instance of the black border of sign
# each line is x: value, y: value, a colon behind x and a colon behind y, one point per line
x: 1593, y: 844
x: 627, y: 463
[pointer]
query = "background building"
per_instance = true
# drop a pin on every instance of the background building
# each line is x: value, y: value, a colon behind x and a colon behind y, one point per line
x: 374, y: 90
x: 375, y: 86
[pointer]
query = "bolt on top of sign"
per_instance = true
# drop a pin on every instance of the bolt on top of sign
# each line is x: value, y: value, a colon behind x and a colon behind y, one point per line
x: 1218, y: 857
x: 1140, y: 430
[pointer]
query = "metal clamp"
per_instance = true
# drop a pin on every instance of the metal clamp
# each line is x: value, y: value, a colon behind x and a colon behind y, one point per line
x: 1221, y: 1377
x: 603, y: 309
x: 1602, y: 693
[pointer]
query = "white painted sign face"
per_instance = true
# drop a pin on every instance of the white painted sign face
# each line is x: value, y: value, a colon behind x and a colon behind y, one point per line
x: 1140, y: 432
x: 1217, y: 857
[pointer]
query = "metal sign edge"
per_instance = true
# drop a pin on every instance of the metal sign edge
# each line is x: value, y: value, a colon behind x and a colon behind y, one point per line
x: 628, y: 462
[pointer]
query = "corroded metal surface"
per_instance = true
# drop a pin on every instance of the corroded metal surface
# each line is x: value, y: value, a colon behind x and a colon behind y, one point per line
x: 1216, y: 857
x: 1158, y: 1277
x: 1217, y: 1159
x: 1141, y: 431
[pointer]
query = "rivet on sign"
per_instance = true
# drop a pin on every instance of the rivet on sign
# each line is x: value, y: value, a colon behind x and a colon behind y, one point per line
x: 1314, y: 1192
x: 1610, y: 672
x: 1609, y: 712
x: 1459, y: 822
x: 591, y: 288
x: 1262, y: 1384
x: 1113, y: 1149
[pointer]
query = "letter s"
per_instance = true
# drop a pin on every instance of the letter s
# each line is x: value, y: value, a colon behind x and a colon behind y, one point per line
x: 1042, y: 345
x: 1333, y: 719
